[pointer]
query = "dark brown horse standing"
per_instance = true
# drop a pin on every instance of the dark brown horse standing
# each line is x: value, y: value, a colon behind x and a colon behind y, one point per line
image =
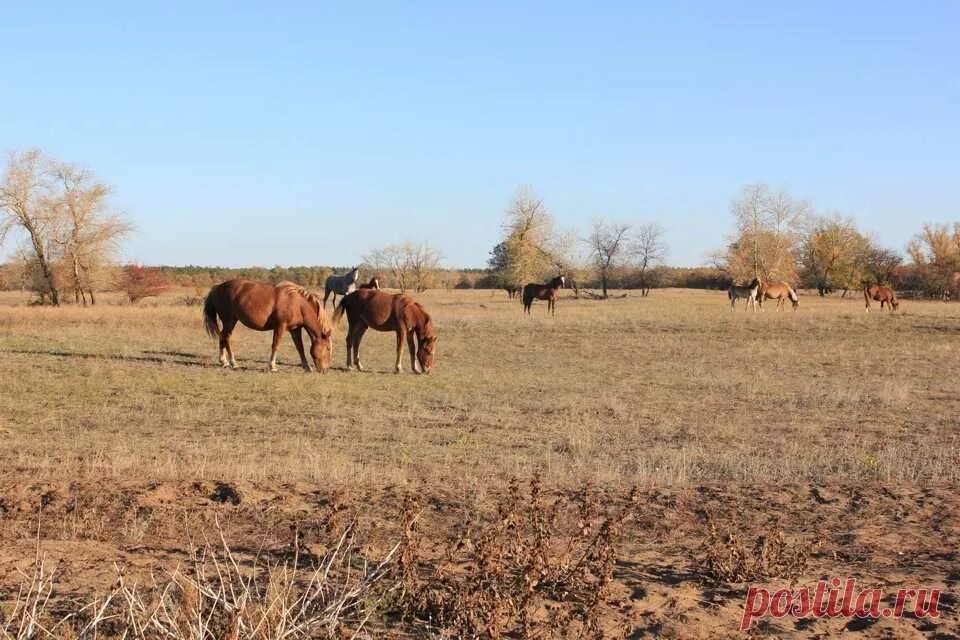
x: 512, y: 290
x: 262, y: 306
x: 549, y: 292
x: 373, y: 284
x: 381, y: 311
x: 884, y: 295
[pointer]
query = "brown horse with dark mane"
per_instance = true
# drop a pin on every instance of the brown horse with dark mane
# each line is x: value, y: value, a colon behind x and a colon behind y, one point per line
x: 549, y: 292
x: 512, y: 290
x: 262, y: 306
x: 883, y: 295
x: 381, y: 311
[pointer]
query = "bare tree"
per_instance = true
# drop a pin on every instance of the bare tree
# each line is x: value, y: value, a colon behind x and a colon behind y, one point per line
x: 422, y: 260
x: 91, y: 233
x: 608, y: 243
x: 769, y: 224
x: 650, y: 250
x: 527, y: 250
x: 26, y: 196
x: 390, y: 259
x: 412, y: 265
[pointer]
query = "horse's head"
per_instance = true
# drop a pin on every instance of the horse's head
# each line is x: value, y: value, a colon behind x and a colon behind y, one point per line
x: 895, y: 304
x: 425, y: 349
x: 321, y: 350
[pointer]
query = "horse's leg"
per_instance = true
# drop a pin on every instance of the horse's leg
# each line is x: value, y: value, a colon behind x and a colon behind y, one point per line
x: 400, y: 331
x: 297, y: 335
x: 357, y: 337
x: 277, y: 335
x: 412, y: 346
x: 349, y: 347
x: 226, y: 349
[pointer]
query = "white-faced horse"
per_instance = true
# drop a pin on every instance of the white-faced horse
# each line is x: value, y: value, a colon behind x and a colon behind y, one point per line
x: 340, y: 285
x: 749, y: 292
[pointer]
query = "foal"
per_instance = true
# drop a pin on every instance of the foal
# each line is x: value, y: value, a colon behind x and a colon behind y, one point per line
x: 748, y: 291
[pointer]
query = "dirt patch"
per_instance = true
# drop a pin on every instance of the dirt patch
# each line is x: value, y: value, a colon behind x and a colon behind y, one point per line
x: 660, y: 578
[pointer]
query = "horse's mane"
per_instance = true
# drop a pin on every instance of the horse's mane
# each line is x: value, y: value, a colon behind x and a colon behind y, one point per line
x: 427, y: 330
x: 312, y: 298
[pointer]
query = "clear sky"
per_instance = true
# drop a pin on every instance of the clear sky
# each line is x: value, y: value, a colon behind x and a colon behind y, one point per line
x: 284, y: 133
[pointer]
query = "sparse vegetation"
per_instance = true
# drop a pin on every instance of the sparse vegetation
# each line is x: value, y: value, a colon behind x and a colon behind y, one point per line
x: 134, y: 441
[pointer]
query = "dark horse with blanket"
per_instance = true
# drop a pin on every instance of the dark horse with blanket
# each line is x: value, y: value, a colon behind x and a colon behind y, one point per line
x: 549, y: 292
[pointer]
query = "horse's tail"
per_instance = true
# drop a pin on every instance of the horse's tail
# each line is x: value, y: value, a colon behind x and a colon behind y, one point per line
x: 793, y: 295
x: 339, y: 311
x: 210, y: 315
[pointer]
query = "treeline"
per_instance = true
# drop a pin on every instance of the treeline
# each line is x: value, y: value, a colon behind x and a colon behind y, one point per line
x: 779, y: 237
x: 69, y: 236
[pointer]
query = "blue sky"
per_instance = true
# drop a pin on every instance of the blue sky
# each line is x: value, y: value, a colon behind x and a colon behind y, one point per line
x: 284, y: 133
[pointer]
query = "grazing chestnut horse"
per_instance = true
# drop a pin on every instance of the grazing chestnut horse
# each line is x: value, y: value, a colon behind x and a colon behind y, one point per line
x: 264, y: 307
x: 373, y: 284
x: 381, y: 311
x: 884, y: 295
x: 779, y: 291
x: 549, y: 292
x: 748, y: 291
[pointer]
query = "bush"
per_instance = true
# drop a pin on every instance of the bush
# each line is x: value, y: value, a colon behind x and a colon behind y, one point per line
x: 140, y: 282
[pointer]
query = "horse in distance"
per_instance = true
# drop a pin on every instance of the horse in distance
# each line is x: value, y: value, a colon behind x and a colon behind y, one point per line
x: 381, y: 311
x: 262, y: 306
x: 549, y: 292
x: 513, y: 290
x: 883, y: 295
x: 749, y: 292
x: 373, y: 284
x: 341, y: 285
x: 779, y: 291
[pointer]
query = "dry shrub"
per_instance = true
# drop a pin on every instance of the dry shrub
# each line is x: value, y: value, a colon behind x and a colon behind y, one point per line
x: 535, y: 567
x: 219, y: 597
x: 729, y: 559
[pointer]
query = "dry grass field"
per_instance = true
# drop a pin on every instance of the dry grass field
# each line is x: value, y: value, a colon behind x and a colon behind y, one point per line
x: 836, y: 428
